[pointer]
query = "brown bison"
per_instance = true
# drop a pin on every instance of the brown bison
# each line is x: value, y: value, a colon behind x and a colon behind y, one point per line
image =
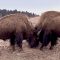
x: 48, y: 29
x: 16, y: 27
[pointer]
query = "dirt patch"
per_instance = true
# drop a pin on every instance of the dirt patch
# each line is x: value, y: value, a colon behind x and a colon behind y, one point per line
x: 29, y: 53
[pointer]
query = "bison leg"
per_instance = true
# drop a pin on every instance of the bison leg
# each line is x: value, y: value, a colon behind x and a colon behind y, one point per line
x: 19, y: 38
x: 45, y: 40
x: 53, y: 40
x: 12, y: 42
x: 52, y: 45
x: 41, y: 48
x: 41, y: 35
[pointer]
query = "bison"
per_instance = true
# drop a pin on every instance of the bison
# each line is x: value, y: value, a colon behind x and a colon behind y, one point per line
x: 47, y: 30
x: 16, y: 27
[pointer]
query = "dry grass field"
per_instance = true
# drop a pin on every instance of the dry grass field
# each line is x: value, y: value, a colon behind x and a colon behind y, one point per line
x: 29, y: 53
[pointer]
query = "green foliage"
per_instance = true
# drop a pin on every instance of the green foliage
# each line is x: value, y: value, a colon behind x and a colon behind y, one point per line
x: 6, y: 12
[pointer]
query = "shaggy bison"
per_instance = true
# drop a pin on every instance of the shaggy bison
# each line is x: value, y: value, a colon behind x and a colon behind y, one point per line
x: 48, y: 29
x: 16, y: 27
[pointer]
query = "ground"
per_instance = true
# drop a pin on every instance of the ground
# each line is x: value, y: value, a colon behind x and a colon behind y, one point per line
x: 29, y: 53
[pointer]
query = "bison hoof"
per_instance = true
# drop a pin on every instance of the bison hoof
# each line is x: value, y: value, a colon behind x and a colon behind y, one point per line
x: 20, y: 49
x: 51, y: 48
x: 11, y: 49
x: 41, y: 48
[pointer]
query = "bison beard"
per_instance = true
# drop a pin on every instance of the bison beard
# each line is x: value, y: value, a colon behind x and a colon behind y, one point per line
x: 45, y: 37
